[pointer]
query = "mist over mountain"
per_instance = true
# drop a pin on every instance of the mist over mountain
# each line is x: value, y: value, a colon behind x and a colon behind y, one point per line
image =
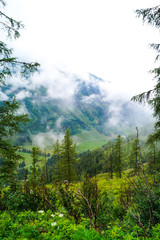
x: 56, y: 100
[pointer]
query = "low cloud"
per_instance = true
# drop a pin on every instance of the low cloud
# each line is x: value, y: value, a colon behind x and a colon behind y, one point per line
x: 63, y: 84
x: 3, y: 96
x: 59, y: 85
x: 22, y: 110
x: 115, y: 112
x: 46, y: 139
x: 89, y: 99
x: 59, y: 123
x: 128, y: 115
x: 23, y: 94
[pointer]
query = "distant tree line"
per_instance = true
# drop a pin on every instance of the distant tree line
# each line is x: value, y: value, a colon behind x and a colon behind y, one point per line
x: 119, y: 155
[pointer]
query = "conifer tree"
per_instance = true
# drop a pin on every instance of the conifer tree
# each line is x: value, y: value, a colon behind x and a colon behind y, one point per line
x: 134, y: 157
x: 57, y: 153
x: 8, y: 62
x: 152, y: 97
x: 10, y: 124
x: 35, y: 160
x: 153, y: 159
x: 118, y: 156
x: 9, y: 163
x: 44, y: 175
x: 109, y: 156
x: 10, y: 121
x: 68, y: 157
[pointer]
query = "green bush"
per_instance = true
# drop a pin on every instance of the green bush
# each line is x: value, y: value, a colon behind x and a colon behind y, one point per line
x: 20, y: 201
x: 156, y: 232
x: 43, y: 225
x: 27, y: 199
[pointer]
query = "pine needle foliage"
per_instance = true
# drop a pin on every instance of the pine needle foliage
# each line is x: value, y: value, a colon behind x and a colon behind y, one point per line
x: 134, y: 157
x: 10, y: 123
x: 152, y: 17
x: 118, y: 154
x: 35, y: 160
x: 68, y: 158
x: 10, y: 120
x: 57, y: 153
x: 8, y: 62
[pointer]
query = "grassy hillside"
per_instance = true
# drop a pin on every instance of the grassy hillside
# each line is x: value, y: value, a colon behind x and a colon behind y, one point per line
x: 88, y: 115
x: 90, y: 140
x: 28, y: 159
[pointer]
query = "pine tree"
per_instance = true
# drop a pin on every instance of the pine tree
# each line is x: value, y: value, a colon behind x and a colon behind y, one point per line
x: 118, y: 156
x: 44, y: 175
x: 68, y: 158
x: 10, y: 161
x: 57, y: 153
x: 134, y: 157
x: 35, y: 160
x: 152, y: 97
x: 109, y: 157
x: 153, y: 159
x: 10, y: 124
x: 10, y: 121
x: 8, y: 62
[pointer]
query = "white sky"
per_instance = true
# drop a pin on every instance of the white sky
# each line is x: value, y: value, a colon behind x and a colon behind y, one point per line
x: 97, y: 36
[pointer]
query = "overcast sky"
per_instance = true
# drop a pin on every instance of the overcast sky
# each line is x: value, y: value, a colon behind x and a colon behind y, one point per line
x: 97, y: 36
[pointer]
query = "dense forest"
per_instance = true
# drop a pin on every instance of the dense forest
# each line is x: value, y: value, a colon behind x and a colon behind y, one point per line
x: 112, y: 192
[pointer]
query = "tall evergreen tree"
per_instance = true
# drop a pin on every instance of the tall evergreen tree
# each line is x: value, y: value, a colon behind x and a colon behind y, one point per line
x: 109, y: 157
x: 57, y: 153
x: 10, y: 124
x: 44, y: 170
x: 118, y: 156
x: 68, y: 157
x: 134, y: 157
x: 153, y: 159
x: 152, y: 97
x: 35, y: 160
x: 8, y: 62
x: 10, y: 121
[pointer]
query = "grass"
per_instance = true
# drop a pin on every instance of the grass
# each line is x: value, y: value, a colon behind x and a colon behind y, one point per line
x: 86, y: 140
x: 90, y: 145
x: 90, y: 140
x: 28, y: 158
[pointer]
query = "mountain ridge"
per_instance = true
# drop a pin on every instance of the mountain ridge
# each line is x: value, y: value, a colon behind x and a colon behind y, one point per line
x: 86, y: 109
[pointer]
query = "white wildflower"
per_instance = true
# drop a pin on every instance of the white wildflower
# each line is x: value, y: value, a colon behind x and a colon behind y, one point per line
x: 53, y: 224
x: 60, y: 215
x: 31, y: 191
x: 52, y: 215
x: 41, y: 211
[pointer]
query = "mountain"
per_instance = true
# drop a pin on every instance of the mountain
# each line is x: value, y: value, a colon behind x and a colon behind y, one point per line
x: 83, y: 107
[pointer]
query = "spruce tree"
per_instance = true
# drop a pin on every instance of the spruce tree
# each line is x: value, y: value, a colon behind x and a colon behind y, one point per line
x: 10, y: 121
x: 68, y: 158
x: 118, y: 156
x: 134, y: 157
x: 152, y: 97
x: 10, y: 124
x: 153, y: 158
x: 43, y: 169
x: 8, y: 62
x: 109, y: 158
x: 35, y: 160
x: 57, y: 153
x: 44, y: 175
x: 10, y: 160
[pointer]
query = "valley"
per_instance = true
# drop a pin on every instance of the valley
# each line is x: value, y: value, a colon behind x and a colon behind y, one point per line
x: 79, y: 155
x: 90, y: 115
